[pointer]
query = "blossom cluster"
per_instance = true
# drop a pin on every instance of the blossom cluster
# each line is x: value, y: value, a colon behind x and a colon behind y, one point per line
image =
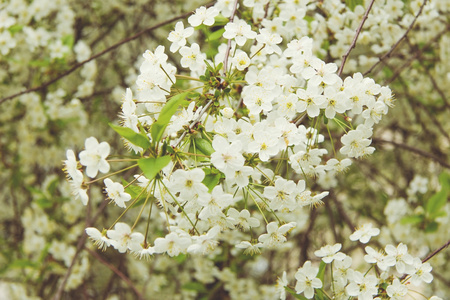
x: 349, y: 282
x: 239, y: 126
x: 236, y: 154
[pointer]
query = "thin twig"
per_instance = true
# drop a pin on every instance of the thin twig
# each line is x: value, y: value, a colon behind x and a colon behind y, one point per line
x: 80, y: 246
x: 415, y: 150
x: 227, y: 52
x: 78, y: 65
x: 414, y: 57
x: 116, y: 271
x: 436, y: 252
x: 425, y: 109
x: 430, y: 76
x: 194, y: 122
x: 358, y: 31
x: 388, y: 54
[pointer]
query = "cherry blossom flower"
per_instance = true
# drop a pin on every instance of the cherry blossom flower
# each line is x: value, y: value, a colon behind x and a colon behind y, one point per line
x: 204, y: 243
x: 71, y: 166
x: 94, y: 157
x: 364, y: 287
x: 242, y: 219
x: 179, y: 35
x: 227, y: 157
x: 275, y: 235
x: 270, y: 40
x: 250, y: 249
x: 281, y: 284
x: 100, y: 240
x: 203, y: 15
x: 121, y: 237
x: 192, y: 57
x: 240, y: 31
x: 116, y: 192
x: 330, y: 253
x: 422, y: 272
x: 402, y: 258
x: 356, y: 142
x: 173, y: 244
x: 397, y: 290
x: 306, y: 280
x: 364, y: 233
x: 383, y: 262
x: 310, y: 101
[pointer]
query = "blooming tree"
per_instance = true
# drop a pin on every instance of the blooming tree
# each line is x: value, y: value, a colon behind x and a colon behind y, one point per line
x: 243, y: 128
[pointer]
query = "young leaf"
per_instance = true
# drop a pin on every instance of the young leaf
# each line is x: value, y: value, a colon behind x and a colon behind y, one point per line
x: 166, y: 113
x: 216, y: 35
x: 138, y: 139
x: 204, y: 146
x: 135, y: 191
x: 211, y: 180
x: 354, y: 3
x: 194, y: 286
x: 321, y: 273
x: 152, y: 166
x: 293, y: 293
x: 436, y: 202
x: 412, y: 219
x: 321, y: 276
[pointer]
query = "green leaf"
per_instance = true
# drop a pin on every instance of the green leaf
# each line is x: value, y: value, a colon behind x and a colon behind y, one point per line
x: 444, y: 180
x: 216, y: 35
x: 138, y: 139
x: 194, y: 286
x: 135, y: 192
x: 436, y: 202
x: 204, y: 146
x: 432, y: 227
x: 68, y: 40
x: 166, y: 113
x: 180, y: 258
x: 211, y: 180
x: 15, y: 28
x: 44, y: 203
x: 23, y: 263
x: 220, y: 20
x: 354, y: 3
x: 152, y: 166
x: 294, y: 294
x: 321, y: 274
x: 39, y: 63
x: 412, y: 220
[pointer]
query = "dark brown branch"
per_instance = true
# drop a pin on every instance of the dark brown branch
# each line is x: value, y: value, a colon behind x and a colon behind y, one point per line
x: 433, y: 81
x: 358, y: 31
x: 388, y: 54
x: 436, y: 252
x: 427, y: 47
x: 227, y: 52
x: 425, y: 109
x: 337, y: 238
x: 304, y: 244
x: 116, y: 271
x: 415, y: 150
x: 73, y: 68
x: 80, y: 247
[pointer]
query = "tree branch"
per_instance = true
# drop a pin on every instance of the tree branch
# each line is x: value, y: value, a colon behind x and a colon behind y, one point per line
x: 227, y: 52
x: 358, y: 31
x: 388, y: 54
x: 415, y: 150
x: 436, y: 252
x: 116, y: 271
x: 78, y: 65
